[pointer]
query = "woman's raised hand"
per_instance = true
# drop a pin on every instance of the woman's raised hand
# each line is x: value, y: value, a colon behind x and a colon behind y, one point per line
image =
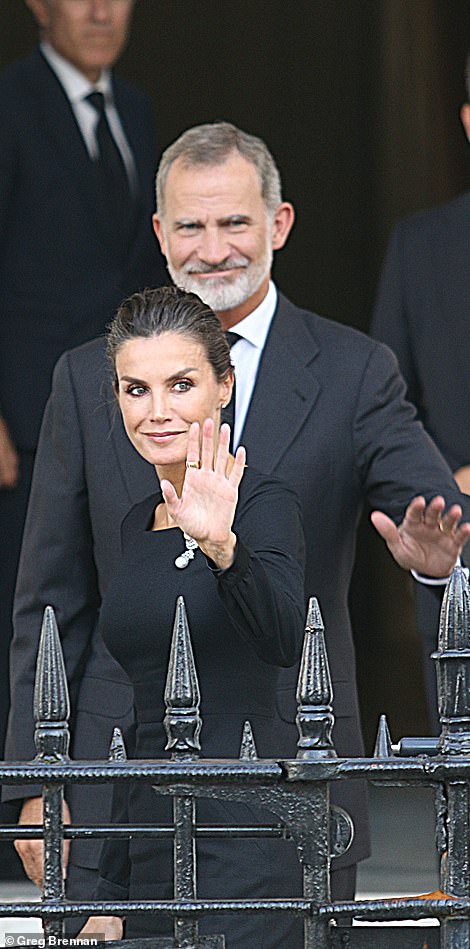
x: 206, y: 508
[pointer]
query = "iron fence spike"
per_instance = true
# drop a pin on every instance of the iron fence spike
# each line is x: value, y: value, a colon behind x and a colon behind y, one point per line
x: 182, y: 697
x: 117, y: 748
x: 248, y: 750
x: 314, y: 617
x: 51, y: 705
x: 453, y: 665
x: 383, y: 742
x: 314, y: 682
x: 51, y: 698
x: 454, y: 623
x: 314, y: 691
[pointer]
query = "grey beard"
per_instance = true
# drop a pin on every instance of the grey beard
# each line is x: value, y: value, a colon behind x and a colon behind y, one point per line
x: 225, y: 294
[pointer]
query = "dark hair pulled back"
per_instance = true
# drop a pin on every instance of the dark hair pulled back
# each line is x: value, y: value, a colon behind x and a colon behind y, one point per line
x: 170, y: 310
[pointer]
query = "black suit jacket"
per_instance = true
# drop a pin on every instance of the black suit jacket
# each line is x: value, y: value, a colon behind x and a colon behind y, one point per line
x: 62, y: 272
x: 327, y: 415
x: 422, y: 313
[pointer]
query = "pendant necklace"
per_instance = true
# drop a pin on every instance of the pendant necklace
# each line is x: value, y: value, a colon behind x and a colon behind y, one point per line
x: 184, y: 558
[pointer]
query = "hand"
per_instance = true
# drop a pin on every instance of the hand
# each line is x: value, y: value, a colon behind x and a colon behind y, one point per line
x: 31, y: 851
x: 111, y: 927
x: 209, y: 497
x: 462, y: 477
x: 427, y: 540
x: 8, y: 458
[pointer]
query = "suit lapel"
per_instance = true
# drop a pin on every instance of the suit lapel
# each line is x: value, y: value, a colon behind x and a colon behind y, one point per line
x: 58, y: 121
x: 133, y: 132
x: 286, y: 388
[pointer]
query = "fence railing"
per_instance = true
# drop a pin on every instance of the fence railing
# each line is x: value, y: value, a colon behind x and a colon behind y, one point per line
x: 296, y: 791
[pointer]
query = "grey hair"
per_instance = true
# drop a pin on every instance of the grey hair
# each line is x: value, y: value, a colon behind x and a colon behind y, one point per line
x: 152, y: 312
x: 212, y: 144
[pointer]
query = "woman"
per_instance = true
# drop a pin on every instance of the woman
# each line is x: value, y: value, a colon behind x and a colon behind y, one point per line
x: 237, y: 558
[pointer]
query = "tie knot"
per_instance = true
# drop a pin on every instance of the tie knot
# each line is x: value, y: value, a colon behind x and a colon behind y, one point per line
x: 232, y: 338
x: 96, y: 99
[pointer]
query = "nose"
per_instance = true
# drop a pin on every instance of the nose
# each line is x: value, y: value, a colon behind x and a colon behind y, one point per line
x: 214, y: 248
x: 101, y: 10
x: 159, y: 407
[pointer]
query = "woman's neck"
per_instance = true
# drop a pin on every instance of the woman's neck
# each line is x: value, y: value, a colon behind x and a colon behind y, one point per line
x: 162, y: 519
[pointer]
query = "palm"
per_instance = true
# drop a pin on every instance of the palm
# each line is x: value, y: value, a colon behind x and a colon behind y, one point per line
x: 207, y: 505
x: 206, y: 508
x: 427, y: 541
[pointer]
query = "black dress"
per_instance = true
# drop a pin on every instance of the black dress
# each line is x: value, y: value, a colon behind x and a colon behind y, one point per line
x: 245, y: 623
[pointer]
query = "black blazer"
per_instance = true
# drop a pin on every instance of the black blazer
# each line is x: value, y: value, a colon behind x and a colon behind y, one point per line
x: 327, y: 415
x: 62, y: 274
x: 422, y: 313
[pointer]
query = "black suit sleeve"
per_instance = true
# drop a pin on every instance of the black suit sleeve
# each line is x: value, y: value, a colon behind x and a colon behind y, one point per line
x: 390, y: 323
x: 56, y: 567
x: 396, y: 459
x: 8, y: 174
x: 263, y: 590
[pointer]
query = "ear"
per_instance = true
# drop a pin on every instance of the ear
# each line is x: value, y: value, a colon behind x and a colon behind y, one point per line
x: 283, y: 221
x: 226, y: 390
x: 40, y: 11
x: 465, y: 118
x: 158, y: 228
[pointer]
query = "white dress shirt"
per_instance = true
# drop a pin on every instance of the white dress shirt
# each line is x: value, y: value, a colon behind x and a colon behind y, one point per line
x: 77, y: 87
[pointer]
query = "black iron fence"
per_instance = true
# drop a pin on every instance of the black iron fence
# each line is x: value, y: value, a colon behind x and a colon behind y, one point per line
x: 295, y: 791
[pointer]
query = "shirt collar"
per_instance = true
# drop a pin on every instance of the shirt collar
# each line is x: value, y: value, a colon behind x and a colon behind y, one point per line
x: 75, y: 84
x: 255, y: 327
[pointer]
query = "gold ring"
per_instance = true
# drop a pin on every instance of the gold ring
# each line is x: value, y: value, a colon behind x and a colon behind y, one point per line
x: 442, y: 528
x: 193, y: 464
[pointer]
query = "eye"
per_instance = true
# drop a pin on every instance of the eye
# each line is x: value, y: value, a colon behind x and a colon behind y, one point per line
x: 183, y: 385
x: 237, y: 223
x: 135, y: 390
x: 188, y: 227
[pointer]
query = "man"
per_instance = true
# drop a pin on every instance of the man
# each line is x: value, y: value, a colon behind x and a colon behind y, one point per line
x: 317, y: 404
x: 64, y: 266
x: 422, y: 313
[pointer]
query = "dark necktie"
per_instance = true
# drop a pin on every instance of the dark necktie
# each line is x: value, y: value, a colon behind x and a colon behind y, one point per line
x: 228, y: 413
x: 109, y: 163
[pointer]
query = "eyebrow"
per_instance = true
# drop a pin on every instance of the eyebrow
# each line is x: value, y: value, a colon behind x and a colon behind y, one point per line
x: 176, y: 375
x: 139, y: 382
x: 239, y: 216
x: 182, y: 372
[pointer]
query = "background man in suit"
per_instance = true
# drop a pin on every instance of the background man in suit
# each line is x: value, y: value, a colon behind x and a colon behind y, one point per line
x: 317, y: 404
x: 422, y: 313
x: 65, y: 164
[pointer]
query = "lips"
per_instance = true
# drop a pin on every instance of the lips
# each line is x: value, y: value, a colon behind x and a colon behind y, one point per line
x: 161, y: 436
x: 219, y: 270
x: 214, y: 274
